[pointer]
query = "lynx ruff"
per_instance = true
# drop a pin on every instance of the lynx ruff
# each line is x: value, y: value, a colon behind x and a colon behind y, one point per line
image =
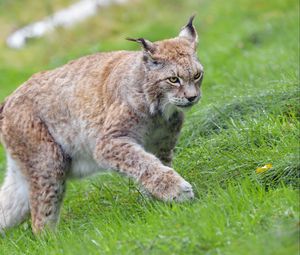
x: 118, y: 110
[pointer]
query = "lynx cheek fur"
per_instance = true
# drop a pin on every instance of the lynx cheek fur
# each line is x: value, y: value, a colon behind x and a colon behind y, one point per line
x: 117, y: 110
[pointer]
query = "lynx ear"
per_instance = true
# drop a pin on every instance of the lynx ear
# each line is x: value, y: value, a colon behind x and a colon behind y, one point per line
x: 189, y: 32
x: 149, y: 49
x: 147, y: 46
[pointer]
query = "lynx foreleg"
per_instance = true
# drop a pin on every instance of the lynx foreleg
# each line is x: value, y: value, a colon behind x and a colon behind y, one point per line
x: 126, y: 156
x: 166, y: 145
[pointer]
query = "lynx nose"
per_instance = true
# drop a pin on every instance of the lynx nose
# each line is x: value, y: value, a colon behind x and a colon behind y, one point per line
x: 191, y: 99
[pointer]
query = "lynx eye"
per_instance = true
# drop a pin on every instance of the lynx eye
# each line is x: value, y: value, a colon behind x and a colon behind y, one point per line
x: 173, y: 80
x: 198, y: 76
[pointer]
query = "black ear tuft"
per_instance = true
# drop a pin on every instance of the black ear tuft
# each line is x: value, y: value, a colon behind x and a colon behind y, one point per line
x: 190, y: 26
x: 189, y: 32
x: 146, y: 45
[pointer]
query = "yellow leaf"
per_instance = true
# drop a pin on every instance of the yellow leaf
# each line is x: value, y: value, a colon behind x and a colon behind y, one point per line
x: 263, y: 169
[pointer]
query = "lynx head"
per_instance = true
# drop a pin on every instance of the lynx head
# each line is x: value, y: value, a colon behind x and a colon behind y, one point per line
x: 172, y: 69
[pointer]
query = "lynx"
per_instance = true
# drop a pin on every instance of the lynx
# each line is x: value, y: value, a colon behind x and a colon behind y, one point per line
x: 119, y: 110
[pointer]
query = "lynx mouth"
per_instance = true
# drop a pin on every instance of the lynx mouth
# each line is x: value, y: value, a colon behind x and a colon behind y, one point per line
x: 185, y: 105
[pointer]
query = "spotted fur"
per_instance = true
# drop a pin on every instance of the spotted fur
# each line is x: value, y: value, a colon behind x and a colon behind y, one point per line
x: 117, y: 111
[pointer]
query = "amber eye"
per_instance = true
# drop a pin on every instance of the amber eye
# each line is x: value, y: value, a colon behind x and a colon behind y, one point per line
x: 197, y: 76
x: 174, y: 80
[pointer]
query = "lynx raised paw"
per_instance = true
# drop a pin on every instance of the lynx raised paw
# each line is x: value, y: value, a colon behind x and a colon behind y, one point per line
x: 168, y: 186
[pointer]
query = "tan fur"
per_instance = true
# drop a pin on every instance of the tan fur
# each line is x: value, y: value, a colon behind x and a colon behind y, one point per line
x: 113, y: 110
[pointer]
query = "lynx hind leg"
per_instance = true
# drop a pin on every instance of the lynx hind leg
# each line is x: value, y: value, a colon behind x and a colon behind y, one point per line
x: 14, y: 197
x: 44, y: 164
x: 46, y: 195
x: 47, y: 175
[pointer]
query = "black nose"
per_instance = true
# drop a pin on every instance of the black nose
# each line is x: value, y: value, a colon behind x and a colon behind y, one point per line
x: 191, y: 99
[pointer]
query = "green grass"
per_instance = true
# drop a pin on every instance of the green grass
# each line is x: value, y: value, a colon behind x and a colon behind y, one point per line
x: 249, y: 116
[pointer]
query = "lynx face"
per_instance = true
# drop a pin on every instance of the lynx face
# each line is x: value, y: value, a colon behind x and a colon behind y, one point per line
x: 179, y: 73
x: 173, y: 69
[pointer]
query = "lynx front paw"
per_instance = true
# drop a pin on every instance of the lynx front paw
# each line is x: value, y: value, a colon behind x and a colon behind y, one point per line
x: 168, y: 185
x: 185, y: 192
